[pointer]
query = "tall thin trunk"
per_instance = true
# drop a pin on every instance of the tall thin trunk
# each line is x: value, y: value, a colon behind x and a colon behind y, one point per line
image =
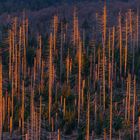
x: 120, y: 42
x: 126, y: 45
x: 50, y: 77
x: 79, y: 79
x: 61, y: 54
x: 64, y: 107
x: 68, y: 66
x: 58, y: 135
x: 11, y: 126
x: 103, y: 74
x: 113, y: 43
x: 104, y: 23
x: 10, y: 53
x: 55, y: 24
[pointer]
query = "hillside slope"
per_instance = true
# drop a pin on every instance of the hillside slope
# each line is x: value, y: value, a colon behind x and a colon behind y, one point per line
x: 18, y: 5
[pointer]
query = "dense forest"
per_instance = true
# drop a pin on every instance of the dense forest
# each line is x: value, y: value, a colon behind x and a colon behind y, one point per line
x: 70, y: 72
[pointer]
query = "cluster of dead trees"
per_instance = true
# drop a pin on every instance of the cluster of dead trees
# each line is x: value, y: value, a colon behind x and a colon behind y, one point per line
x: 72, y: 81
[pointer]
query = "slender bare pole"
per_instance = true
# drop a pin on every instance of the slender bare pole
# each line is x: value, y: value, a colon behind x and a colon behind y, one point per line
x: 126, y: 45
x: 55, y: 24
x: 113, y: 44
x: 64, y: 107
x: 104, y: 22
x: 50, y: 77
x: 10, y: 53
x: 120, y: 42
x: 103, y: 73
x: 58, y: 135
x: 79, y: 79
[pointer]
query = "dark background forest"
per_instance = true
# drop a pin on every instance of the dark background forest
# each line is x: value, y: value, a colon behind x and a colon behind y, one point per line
x: 18, y: 5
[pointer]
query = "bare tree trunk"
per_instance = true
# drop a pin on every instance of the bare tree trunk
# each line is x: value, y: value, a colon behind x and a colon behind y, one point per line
x: 79, y: 79
x: 120, y: 42
x: 50, y: 77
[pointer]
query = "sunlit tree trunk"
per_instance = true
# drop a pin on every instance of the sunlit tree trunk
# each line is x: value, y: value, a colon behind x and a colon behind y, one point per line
x: 68, y: 66
x: 64, y: 106
x: 12, y: 94
x: 79, y: 79
x: 19, y: 61
x: 126, y: 45
x: 103, y: 74
x: 109, y: 45
x: 26, y: 30
x: 58, y: 135
x: 15, y: 74
x: 26, y: 137
x: 113, y: 43
x: 11, y: 126
x: 120, y: 42
x: 104, y: 23
x: 50, y: 77
x: 10, y: 54
x: 24, y: 45
x: 105, y: 134
x: 61, y: 54
x: 55, y: 24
